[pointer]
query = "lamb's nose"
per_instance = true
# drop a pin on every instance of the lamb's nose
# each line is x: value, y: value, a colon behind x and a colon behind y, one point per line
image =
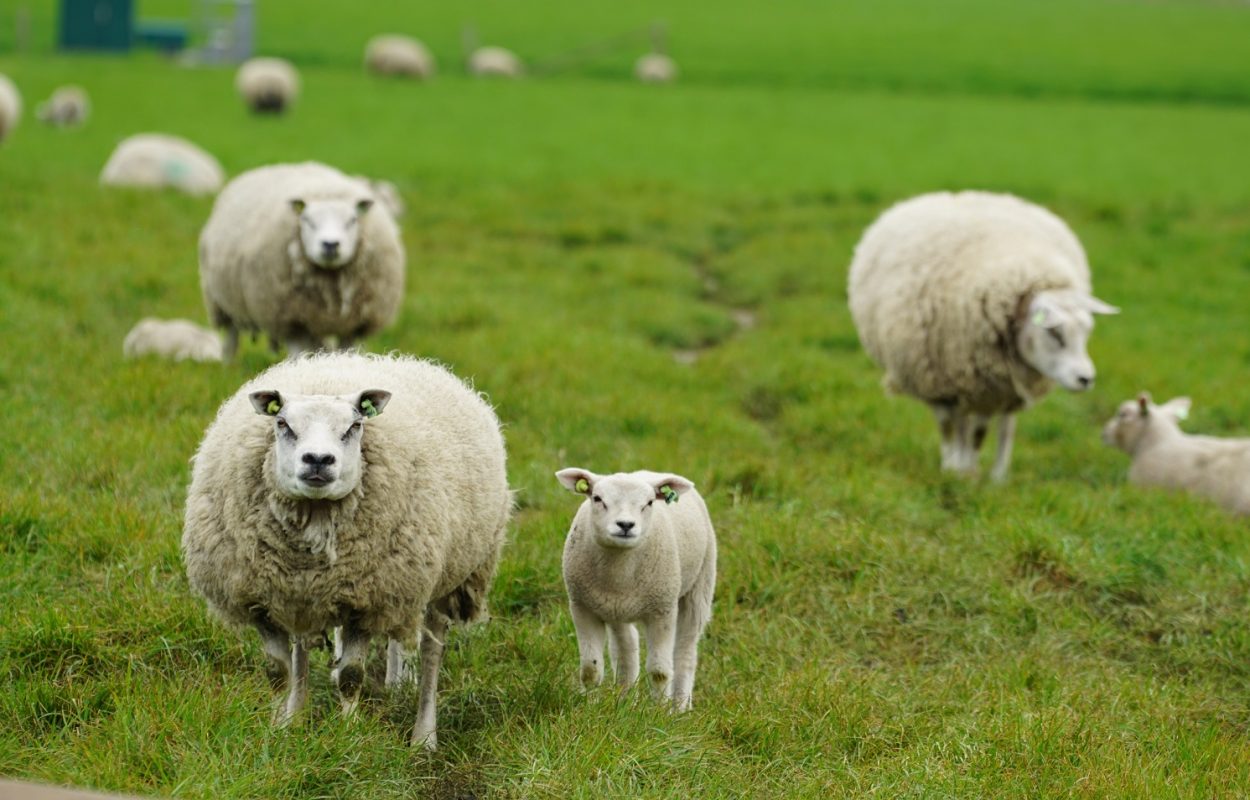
x: 625, y: 527
x: 318, y: 461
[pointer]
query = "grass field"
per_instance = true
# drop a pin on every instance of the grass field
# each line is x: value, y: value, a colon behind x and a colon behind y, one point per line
x: 881, y: 630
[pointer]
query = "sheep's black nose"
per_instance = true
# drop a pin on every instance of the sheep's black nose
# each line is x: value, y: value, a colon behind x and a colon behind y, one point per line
x: 330, y: 247
x: 1085, y: 381
x: 625, y: 526
x: 317, y: 461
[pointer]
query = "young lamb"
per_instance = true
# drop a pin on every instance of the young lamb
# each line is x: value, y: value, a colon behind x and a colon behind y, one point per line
x: 292, y: 250
x: 655, y: 68
x: 153, y: 160
x: 398, y: 55
x: 68, y: 106
x: 630, y: 559
x: 268, y: 85
x: 495, y: 62
x: 10, y: 107
x: 342, y: 490
x: 974, y: 303
x: 174, y: 339
x: 1163, y: 455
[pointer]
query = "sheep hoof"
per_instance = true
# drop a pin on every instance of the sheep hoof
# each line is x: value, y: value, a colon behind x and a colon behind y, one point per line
x: 591, y: 675
x: 425, y: 739
x: 350, y: 679
x: 277, y: 676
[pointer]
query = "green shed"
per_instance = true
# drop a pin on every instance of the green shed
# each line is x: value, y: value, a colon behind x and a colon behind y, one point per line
x: 96, y: 24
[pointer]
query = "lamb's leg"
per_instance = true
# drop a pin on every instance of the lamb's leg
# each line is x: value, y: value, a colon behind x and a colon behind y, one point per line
x: 425, y: 731
x: 349, y: 669
x: 1006, y: 436
x: 590, y: 633
x: 661, y: 635
x: 623, y: 648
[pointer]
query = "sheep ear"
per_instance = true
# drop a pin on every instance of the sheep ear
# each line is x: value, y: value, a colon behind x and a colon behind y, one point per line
x: 362, y: 206
x: 1097, y: 306
x: 266, y: 403
x: 1177, y: 407
x: 298, y: 205
x: 670, y: 487
x: 578, y: 481
x: 1143, y: 403
x: 370, y: 402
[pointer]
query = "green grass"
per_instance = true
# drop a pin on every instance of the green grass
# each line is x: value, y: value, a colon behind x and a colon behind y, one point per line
x: 880, y: 629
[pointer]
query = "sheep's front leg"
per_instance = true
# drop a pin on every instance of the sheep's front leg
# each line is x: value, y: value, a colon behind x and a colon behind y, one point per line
x: 288, y: 668
x: 349, y: 669
x: 972, y: 437
x: 661, y: 635
x: 230, y: 344
x: 590, y: 633
x: 1006, y: 437
x: 396, y: 664
x: 623, y: 648
x: 425, y: 731
x: 950, y: 426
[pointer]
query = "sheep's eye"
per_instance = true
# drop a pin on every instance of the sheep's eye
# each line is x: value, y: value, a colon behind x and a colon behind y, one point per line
x: 597, y: 499
x: 355, y: 428
x: 284, y: 428
x: 1057, y: 335
x: 351, y: 223
x: 648, y: 505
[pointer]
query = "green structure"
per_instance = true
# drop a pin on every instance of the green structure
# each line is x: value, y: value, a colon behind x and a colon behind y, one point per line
x: 96, y: 24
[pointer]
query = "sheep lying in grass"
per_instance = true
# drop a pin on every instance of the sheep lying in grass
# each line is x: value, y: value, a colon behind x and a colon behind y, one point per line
x: 293, y: 251
x: 1163, y: 455
x: 174, y: 339
x: 398, y: 55
x: 341, y: 490
x: 655, y: 68
x: 153, y: 160
x: 495, y: 62
x: 974, y: 303
x: 68, y: 106
x: 10, y: 107
x: 630, y: 559
x: 268, y: 85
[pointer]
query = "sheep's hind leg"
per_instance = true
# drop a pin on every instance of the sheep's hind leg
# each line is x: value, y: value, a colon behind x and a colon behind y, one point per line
x: 623, y: 648
x: 975, y: 427
x: 1006, y: 437
x: 951, y: 425
x: 590, y: 633
x: 349, y: 670
x: 425, y: 730
x: 397, y: 672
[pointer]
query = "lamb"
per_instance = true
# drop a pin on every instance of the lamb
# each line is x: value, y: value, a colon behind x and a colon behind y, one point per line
x: 10, y: 107
x: 629, y: 560
x: 398, y: 55
x: 495, y: 62
x: 153, y: 160
x: 655, y: 68
x: 1165, y: 456
x: 175, y: 339
x: 291, y: 250
x: 68, y: 106
x: 357, y: 491
x: 268, y: 85
x: 976, y: 304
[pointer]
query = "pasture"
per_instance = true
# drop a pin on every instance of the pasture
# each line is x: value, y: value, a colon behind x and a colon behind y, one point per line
x: 655, y: 277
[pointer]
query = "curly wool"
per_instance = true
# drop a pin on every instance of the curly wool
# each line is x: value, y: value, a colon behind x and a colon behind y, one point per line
x: 937, y: 288
x: 153, y: 160
x: 426, y: 523
x: 10, y: 107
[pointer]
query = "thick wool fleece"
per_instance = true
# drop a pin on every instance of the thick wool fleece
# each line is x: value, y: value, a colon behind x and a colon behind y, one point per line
x: 267, y: 84
x: 939, y: 284
x: 1207, y: 466
x: 426, y: 524
x: 396, y: 54
x: 255, y: 276
x: 10, y: 107
x: 157, y: 159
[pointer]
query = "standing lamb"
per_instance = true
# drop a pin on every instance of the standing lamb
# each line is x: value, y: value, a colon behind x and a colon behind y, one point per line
x: 974, y: 303
x: 400, y: 56
x: 153, y: 160
x: 10, y: 107
x: 310, y: 508
x: 629, y: 560
x: 174, y: 339
x: 495, y: 62
x: 655, y: 68
x: 292, y: 250
x: 268, y: 85
x: 68, y: 106
x: 1164, y: 455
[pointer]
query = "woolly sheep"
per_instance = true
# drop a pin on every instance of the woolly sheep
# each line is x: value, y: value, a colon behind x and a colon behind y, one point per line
x: 1163, y: 455
x: 974, y: 303
x: 155, y: 160
x: 10, y: 107
x: 495, y: 62
x: 291, y: 250
x: 655, y: 68
x: 364, y: 492
x: 399, y: 55
x: 68, y: 106
x: 175, y: 339
x: 629, y: 559
x: 268, y: 85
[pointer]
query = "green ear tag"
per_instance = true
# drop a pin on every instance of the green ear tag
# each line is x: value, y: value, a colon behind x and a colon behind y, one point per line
x: 669, y: 495
x: 582, y: 486
x: 1182, y: 413
x: 366, y: 405
x: 273, y: 408
x: 1039, y: 318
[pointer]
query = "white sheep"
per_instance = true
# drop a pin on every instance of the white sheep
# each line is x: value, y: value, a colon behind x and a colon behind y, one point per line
x: 655, y: 68
x: 974, y: 303
x: 495, y: 62
x: 10, y: 107
x: 628, y: 559
x: 291, y: 250
x: 1164, y: 455
x: 68, y: 106
x: 153, y: 160
x: 398, y: 55
x: 353, y: 491
x: 268, y: 85
x: 174, y: 339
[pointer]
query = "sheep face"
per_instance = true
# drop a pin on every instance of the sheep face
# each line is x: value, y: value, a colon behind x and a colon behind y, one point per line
x: 317, y: 440
x: 1131, y: 421
x: 1053, y: 336
x: 621, y: 505
x: 329, y: 230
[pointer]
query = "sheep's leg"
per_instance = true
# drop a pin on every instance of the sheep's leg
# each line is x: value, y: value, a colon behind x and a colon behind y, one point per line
x: 1006, y: 437
x: 425, y: 731
x: 298, y: 693
x: 230, y: 344
x: 686, y: 651
x: 349, y: 669
x: 972, y: 437
x: 661, y: 635
x: 397, y: 671
x: 623, y: 648
x: 590, y: 633
x: 950, y: 425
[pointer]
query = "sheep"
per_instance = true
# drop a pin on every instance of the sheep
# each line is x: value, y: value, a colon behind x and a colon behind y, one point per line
x: 268, y: 85
x: 398, y: 55
x: 627, y: 560
x: 655, y: 68
x: 10, y: 107
x: 974, y: 303
x: 356, y: 491
x: 175, y: 339
x: 387, y: 194
x: 495, y: 62
x: 291, y: 250
x: 154, y: 160
x: 1163, y: 455
x: 68, y: 106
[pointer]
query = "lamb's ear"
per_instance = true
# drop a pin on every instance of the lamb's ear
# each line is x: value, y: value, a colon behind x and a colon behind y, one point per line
x: 1143, y: 403
x: 578, y: 481
x: 1177, y: 407
x: 370, y: 402
x: 670, y: 487
x: 267, y: 403
x: 1096, y: 306
x: 298, y: 205
x: 362, y: 206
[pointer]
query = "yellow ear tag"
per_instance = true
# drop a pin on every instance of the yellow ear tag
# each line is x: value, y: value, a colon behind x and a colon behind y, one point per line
x: 582, y: 486
x: 273, y: 408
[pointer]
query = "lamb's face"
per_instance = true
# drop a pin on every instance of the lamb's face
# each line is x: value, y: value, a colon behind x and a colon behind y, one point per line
x: 317, y: 440
x: 329, y: 230
x: 1054, y: 335
x: 1134, y: 417
x: 621, y: 505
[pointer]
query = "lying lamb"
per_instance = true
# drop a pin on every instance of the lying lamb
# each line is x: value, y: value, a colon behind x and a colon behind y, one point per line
x: 174, y: 339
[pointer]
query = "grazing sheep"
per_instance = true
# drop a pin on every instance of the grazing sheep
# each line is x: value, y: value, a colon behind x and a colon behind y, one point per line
x: 398, y: 55
x: 311, y: 508
x: 68, y: 106
x: 291, y: 250
x: 1164, y: 455
x: 655, y: 68
x: 268, y: 85
x: 974, y: 303
x: 10, y: 107
x: 174, y: 339
x: 628, y: 559
x: 495, y: 62
x: 154, y: 160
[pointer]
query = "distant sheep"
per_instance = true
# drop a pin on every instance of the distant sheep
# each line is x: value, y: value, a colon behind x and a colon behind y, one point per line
x: 174, y: 339
x: 655, y: 68
x: 974, y: 303
x: 397, y: 55
x: 1165, y: 456
x: 293, y: 251
x: 268, y: 85
x: 156, y: 160
x: 68, y: 106
x: 631, y: 559
x: 10, y: 107
x: 495, y: 62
